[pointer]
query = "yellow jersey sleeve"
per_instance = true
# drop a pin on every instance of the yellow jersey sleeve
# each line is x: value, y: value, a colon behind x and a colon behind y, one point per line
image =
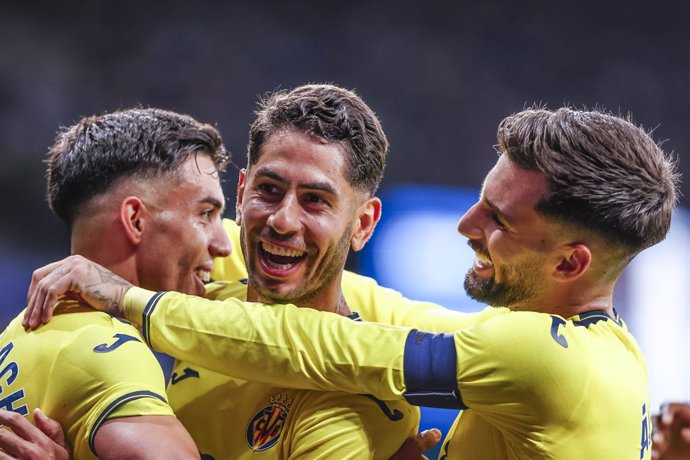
x: 116, y: 377
x: 342, y: 426
x: 278, y: 344
x: 83, y: 369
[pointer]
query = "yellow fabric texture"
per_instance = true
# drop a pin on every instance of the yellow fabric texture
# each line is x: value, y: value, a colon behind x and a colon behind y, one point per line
x: 277, y: 344
x: 541, y: 386
x: 232, y: 418
x: 81, y: 369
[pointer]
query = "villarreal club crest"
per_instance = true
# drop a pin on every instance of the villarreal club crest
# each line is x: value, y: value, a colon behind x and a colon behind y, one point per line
x: 265, y: 427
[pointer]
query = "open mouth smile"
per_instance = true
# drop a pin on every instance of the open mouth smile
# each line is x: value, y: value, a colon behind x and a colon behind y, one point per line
x: 203, y: 274
x: 278, y: 258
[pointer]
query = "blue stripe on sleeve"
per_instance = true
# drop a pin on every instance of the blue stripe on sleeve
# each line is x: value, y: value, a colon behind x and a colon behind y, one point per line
x: 124, y: 399
x: 430, y: 366
x: 146, y: 316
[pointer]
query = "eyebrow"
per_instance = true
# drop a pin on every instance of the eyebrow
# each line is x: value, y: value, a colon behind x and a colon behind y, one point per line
x: 321, y: 186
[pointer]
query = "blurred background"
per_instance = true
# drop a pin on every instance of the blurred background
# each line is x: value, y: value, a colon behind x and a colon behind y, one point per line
x: 441, y: 76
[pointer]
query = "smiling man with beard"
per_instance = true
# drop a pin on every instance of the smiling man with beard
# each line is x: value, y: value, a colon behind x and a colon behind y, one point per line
x: 315, y: 159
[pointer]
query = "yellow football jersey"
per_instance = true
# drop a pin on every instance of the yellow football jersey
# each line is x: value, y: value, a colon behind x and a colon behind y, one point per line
x: 541, y: 386
x: 81, y: 369
x: 232, y: 418
x: 232, y: 267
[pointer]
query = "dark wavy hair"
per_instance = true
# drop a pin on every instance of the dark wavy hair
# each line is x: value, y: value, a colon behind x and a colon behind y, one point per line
x: 605, y: 173
x: 90, y: 156
x: 333, y: 114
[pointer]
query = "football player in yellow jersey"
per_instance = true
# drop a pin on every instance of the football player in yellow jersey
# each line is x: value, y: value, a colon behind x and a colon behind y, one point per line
x: 139, y: 190
x: 316, y: 156
x: 550, y: 371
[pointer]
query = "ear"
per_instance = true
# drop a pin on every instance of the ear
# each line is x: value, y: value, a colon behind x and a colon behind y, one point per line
x: 132, y: 218
x: 368, y: 216
x: 575, y: 259
x: 241, y: 181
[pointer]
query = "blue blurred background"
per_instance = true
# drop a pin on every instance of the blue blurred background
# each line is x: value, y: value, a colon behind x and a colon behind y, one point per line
x: 440, y: 75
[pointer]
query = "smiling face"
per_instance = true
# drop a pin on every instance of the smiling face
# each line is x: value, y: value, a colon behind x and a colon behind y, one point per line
x: 182, y: 228
x: 299, y: 215
x: 514, y: 245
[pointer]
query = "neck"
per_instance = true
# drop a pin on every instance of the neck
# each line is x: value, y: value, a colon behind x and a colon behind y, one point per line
x: 105, y: 246
x: 598, y: 304
x: 571, y: 302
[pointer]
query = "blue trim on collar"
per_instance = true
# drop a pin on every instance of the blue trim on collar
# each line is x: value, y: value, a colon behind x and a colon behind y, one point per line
x: 354, y: 316
x: 588, y: 318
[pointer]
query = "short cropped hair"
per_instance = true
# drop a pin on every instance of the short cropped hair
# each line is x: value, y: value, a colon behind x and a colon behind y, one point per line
x: 90, y: 156
x: 605, y: 173
x: 331, y: 113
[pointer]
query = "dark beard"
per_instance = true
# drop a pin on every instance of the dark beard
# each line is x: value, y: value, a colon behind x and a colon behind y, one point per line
x: 332, y: 267
x: 495, y: 294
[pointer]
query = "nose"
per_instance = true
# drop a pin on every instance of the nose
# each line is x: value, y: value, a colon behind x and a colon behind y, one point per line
x: 468, y: 224
x: 285, y: 218
x: 219, y: 244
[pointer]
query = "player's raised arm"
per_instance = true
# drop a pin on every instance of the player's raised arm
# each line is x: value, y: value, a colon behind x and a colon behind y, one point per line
x: 278, y: 344
x: 281, y: 344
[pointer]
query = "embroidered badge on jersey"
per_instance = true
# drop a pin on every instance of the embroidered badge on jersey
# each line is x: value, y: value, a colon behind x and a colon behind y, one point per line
x: 265, y: 427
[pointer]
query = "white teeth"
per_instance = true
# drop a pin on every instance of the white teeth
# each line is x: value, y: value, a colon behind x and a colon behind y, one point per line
x: 280, y: 251
x: 280, y: 266
x: 204, y: 275
x: 483, y: 261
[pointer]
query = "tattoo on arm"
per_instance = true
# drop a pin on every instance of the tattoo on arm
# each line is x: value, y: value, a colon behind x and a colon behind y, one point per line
x: 109, y: 290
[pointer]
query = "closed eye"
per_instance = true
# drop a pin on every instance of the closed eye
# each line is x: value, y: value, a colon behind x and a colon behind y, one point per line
x: 497, y: 221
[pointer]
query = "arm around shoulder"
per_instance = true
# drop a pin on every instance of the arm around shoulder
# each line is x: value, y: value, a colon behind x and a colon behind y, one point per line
x: 281, y: 344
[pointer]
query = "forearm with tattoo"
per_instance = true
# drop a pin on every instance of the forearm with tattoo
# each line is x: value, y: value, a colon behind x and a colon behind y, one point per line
x: 109, y: 291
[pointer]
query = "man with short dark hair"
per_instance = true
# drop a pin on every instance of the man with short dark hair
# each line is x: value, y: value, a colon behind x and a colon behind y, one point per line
x: 323, y: 208
x: 315, y: 159
x: 139, y: 189
x: 572, y: 198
